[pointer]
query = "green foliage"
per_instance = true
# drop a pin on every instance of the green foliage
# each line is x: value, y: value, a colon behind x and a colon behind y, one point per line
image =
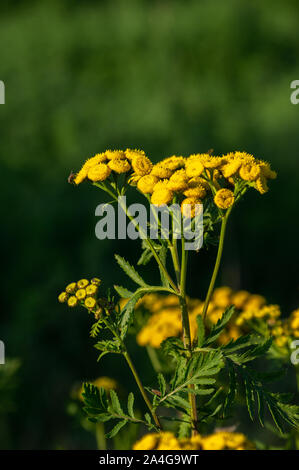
x: 198, y: 371
x: 101, y: 407
x: 219, y: 326
x: 203, y: 368
x: 53, y: 111
x: 130, y: 271
x: 123, y: 292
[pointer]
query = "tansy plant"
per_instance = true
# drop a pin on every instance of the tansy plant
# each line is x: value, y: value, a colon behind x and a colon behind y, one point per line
x: 209, y: 367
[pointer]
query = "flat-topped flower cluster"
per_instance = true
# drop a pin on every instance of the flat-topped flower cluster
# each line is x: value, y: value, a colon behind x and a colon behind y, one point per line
x: 188, y: 180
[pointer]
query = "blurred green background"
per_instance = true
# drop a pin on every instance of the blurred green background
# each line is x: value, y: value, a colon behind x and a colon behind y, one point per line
x: 167, y: 77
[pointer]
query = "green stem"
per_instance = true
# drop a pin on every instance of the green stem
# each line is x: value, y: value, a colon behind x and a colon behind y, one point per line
x: 175, y: 259
x: 217, y: 264
x: 135, y: 374
x: 152, y: 248
x: 142, y: 391
x: 186, y: 331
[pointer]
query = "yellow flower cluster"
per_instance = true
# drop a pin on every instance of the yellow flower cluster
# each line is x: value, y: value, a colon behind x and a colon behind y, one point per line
x: 165, y: 319
x: 286, y: 330
x: 82, y: 292
x: 253, y: 308
x: 268, y: 313
x: 221, y: 440
x: 187, y: 180
x: 99, y: 167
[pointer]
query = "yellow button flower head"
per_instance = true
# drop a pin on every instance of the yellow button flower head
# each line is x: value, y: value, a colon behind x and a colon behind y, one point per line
x: 82, y: 175
x: 99, y: 172
x: 115, y: 154
x: 266, y: 170
x: 82, y: 283
x: 119, y: 165
x: 189, y: 204
x: 224, y: 198
x: 197, y: 187
x: 81, y: 294
x: 90, y: 302
x: 210, y: 161
x: 72, y: 301
x: 231, y: 168
x: 161, y: 171
x: 132, y: 153
x: 96, y: 281
x: 173, y: 163
x: 161, y: 196
x: 261, y: 185
x: 91, y: 289
x: 244, y: 157
x: 146, y: 183
x: 178, y: 181
x: 140, y: 163
x: 194, y: 165
x: 250, y: 171
x: 70, y: 288
x: 62, y: 297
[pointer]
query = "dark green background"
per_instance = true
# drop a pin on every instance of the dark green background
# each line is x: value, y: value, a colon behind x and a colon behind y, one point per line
x: 167, y: 77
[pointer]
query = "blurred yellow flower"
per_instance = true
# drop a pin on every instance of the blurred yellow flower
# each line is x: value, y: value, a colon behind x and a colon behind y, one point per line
x: 221, y: 440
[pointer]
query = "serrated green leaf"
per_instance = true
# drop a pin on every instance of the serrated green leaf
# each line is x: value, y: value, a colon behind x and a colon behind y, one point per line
x: 173, y: 346
x: 115, y: 404
x: 123, y: 292
x: 148, y: 419
x: 116, y: 429
x: 253, y: 352
x: 162, y: 384
x: 127, y: 312
x: 130, y: 271
x: 201, y: 391
x: 131, y: 405
x: 260, y: 406
x: 249, y: 393
x: 204, y: 381
x: 145, y: 257
x: 230, y: 397
x: 237, y: 344
x: 103, y: 417
x: 220, y: 325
